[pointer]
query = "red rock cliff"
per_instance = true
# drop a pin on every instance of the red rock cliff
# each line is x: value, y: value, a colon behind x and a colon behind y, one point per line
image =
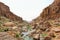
x: 5, y: 11
x: 50, y: 12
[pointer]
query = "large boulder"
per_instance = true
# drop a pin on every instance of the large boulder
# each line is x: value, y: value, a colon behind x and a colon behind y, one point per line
x: 6, y: 36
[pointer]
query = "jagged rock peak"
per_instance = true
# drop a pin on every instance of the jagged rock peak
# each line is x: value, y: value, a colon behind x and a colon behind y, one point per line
x: 5, y: 11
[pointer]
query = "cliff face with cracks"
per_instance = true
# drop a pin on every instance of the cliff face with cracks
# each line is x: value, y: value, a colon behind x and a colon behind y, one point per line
x: 50, y: 12
x: 49, y: 21
x: 5, y: 11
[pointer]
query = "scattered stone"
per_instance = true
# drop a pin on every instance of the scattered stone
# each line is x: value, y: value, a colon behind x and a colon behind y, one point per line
x: 11, y: 24
x: 56, y: 29
x: 6, y: 36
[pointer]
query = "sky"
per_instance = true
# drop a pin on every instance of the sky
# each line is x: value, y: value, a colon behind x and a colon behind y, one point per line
x: 27, y: 9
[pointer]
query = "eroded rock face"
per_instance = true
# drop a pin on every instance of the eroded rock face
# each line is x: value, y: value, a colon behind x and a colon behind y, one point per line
x: 49, y: 21
x: 5, y: 11
x: 9, y: 24
x: 50, y: 12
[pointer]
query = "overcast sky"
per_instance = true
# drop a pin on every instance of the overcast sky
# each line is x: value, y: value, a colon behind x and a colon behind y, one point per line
x: 27, y: 9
